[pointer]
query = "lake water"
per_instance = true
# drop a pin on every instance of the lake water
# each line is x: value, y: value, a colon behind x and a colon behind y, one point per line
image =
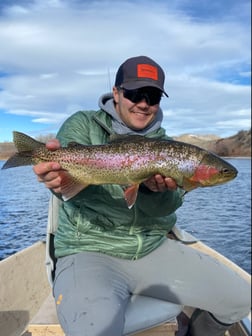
x: 219, y: 216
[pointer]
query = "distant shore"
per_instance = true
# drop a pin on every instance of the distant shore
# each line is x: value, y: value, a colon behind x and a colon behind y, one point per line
x: 4, y: 157
x: 236, y: 157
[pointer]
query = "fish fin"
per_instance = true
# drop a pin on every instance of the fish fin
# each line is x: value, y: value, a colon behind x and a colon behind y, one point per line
x: 24, y: 143
x: 130, y: 195
x: 74, y: 144
x: 70, y: 186
x: 189, y: 184
x: 18, y: 160
x: 117, y: 138
x: 25, y: 146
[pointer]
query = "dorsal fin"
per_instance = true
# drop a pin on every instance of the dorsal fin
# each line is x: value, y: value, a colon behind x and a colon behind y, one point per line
x: 74, y: 144
x: 115, y: 138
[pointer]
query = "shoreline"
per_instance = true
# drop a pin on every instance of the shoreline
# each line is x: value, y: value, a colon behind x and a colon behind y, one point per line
x: 236, y: 157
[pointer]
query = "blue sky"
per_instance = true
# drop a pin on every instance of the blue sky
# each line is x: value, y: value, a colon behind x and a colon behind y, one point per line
x: 60, y: 56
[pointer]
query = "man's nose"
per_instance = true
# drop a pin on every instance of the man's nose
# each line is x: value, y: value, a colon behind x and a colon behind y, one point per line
x: 144, y: 101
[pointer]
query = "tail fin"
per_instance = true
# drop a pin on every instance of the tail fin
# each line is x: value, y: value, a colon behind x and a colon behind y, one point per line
x: 25, y: 146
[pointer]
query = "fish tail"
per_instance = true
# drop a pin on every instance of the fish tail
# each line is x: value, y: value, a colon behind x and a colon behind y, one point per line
x: 25, y: 146
x: 18, y: 160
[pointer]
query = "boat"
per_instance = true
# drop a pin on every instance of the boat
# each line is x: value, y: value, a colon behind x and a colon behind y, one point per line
x: 27, y: 307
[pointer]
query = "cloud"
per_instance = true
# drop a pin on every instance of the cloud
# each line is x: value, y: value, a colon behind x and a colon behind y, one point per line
x: 62, y: 55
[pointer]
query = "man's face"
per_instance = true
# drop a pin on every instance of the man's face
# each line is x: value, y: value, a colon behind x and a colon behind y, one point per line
x: 140, y: 114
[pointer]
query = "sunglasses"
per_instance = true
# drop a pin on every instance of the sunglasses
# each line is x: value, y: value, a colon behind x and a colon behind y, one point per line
x: 151, y: 95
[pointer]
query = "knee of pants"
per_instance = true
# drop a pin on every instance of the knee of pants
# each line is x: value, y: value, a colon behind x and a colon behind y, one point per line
x: 103, y: 316
x: 89, y: 303
x: 238, y: 308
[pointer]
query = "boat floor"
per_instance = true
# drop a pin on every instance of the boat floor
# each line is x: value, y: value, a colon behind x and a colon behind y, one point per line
x: 45, y: 323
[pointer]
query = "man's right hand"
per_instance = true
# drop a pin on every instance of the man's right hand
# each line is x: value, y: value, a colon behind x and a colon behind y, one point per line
x: 56, y: 178
x: 49, y: 172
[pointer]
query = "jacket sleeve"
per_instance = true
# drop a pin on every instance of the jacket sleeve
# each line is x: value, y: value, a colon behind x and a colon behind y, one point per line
x: 159, y: 204
x: 75, y: 129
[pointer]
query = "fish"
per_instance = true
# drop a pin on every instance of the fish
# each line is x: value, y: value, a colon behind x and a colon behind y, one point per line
x: 128, y: 161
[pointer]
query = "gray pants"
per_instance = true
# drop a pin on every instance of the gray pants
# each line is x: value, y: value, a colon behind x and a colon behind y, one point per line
x: 92, y: 290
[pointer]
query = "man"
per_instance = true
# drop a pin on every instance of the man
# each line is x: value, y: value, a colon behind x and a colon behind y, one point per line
x: 105, y: 251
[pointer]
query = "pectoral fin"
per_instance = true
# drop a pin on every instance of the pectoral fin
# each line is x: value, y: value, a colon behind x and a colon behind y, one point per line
x: 189, y: 184
x: 130, y: 195
x: 70, y: 187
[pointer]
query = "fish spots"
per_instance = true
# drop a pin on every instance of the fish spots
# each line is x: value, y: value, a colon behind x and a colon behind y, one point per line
x: 103, y: 161
x: 129, y: 160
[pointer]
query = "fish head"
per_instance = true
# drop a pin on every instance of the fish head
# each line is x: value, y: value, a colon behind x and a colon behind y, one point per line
x: 212, y: 171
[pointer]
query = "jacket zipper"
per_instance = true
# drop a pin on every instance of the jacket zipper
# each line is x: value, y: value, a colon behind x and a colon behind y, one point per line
x: 138, y: 236
x: 131, y: 231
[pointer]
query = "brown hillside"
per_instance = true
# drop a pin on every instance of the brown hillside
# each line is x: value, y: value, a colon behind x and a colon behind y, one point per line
x: 238, y: 145
x: 6, y: 150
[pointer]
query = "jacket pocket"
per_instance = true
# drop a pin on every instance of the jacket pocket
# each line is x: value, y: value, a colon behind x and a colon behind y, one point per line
x: 93, y: 219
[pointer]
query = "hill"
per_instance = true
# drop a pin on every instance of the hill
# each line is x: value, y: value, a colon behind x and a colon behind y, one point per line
x: 238, y: 145
x: 6, y: 150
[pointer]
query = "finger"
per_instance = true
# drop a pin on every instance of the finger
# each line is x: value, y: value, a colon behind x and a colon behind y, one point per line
x: 159, y: 179
x: 46, y: 167
x: 54, y: 184
x: 51, y: 176
x: 170, y: 183
x: 160, y: 183
x: 53, y: 144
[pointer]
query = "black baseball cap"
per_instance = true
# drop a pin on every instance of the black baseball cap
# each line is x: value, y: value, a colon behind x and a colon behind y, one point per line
x: 140, y: 71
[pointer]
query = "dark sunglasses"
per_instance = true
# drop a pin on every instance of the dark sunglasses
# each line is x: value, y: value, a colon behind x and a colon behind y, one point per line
x: 151, y: 95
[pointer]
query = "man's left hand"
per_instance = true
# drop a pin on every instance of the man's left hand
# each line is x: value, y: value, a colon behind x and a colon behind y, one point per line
x: 158, y: 183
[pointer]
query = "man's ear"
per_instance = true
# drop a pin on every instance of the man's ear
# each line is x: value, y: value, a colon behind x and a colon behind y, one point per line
x: 116, y: 94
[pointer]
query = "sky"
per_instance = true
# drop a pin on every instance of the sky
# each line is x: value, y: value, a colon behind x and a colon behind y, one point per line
x: 60, y: 56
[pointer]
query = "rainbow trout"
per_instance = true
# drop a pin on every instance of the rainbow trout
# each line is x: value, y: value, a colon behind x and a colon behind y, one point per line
x: 128, y: 161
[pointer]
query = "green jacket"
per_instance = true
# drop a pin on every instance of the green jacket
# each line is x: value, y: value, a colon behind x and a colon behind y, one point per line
x: 98, y: 219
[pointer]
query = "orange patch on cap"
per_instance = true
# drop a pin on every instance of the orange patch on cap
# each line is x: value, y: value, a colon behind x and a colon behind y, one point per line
x: 147, y: 71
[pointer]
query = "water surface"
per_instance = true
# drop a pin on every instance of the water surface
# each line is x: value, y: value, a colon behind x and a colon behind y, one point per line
x: 219, y: 216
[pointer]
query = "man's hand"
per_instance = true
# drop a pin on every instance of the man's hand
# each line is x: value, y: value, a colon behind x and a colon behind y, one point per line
x: 158, y: 183
x: 56, y: 178
x: 50, y: 172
